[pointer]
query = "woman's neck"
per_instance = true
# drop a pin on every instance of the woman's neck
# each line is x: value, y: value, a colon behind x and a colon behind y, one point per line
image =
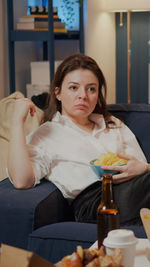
x: 86, y: 125
x: 83, y: 123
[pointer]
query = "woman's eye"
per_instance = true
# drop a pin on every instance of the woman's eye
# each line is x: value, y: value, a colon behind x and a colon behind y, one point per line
x: 73, y: 87
x: 91, y: 89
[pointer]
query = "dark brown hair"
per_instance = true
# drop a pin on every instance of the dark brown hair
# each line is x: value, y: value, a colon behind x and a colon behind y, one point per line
x: 71, y: 63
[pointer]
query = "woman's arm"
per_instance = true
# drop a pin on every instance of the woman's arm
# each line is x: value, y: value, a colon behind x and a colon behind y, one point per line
x: 19, y: 164
x: 137, y: 163
x: 130, y: 144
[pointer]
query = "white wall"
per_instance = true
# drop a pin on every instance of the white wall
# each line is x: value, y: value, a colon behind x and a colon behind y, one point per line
x: 100, y: 42
x: 133, y: 5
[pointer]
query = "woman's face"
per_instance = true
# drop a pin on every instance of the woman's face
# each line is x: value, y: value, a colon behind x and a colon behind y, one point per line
x: 78, y: 94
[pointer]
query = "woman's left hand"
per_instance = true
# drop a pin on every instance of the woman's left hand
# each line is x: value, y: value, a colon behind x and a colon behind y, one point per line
x: 134, y: 167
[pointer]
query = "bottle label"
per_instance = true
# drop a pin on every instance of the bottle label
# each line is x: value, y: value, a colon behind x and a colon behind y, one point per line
x: 105, y: 223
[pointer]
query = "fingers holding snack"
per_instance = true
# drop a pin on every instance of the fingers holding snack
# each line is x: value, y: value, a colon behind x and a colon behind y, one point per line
x: 124, y: 167
x: 133, y: 168
x: 119, y: 168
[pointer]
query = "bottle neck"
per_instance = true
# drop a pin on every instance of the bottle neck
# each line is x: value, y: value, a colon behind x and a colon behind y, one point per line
x: 107, y: 192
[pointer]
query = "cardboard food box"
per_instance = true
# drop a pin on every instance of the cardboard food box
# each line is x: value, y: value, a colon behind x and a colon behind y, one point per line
x: 16, y: 257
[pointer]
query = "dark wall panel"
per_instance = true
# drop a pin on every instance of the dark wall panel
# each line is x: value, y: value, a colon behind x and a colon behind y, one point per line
x: 121, y: 59
x: 139, y: 57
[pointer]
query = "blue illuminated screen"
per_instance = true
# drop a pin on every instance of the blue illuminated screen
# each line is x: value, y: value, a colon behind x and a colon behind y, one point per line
x: 68, y: 15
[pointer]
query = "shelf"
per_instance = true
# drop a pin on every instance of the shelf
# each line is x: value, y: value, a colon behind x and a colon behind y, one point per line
x: 45, y: 36
x: 31, y: 35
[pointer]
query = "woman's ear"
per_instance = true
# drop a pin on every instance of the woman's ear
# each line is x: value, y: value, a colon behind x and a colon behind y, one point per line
x: 57, y: 93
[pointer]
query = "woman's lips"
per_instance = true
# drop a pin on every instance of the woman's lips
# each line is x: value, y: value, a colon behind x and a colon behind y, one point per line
x: 81, y: 106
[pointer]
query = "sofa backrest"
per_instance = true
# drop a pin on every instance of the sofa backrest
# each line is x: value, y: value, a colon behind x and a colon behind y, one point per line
x: 137, y: 118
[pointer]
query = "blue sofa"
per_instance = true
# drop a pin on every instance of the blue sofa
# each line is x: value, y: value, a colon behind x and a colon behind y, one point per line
x: 39, y: 219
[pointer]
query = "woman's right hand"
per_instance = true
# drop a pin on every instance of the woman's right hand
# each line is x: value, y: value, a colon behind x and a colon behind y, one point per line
x: 22, y: 107
x: 19, y: 164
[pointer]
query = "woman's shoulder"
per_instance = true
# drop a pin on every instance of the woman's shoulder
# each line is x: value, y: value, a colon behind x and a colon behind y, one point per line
x: 116, y: 121
x: 40, y: 132
x: 44, y: 126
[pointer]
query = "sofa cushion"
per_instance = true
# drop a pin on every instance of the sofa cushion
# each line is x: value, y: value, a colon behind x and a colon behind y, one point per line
x: 137, y: 118
x: 22, y: 211
x: 55, y: 241
x: 52, y: 242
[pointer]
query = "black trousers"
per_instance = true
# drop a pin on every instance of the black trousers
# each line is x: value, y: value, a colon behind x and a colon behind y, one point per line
x: 129, y: 196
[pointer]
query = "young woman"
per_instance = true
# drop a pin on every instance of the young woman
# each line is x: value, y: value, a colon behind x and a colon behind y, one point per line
x: 76, y: 128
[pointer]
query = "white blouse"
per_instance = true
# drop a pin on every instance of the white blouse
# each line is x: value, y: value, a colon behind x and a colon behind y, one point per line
x: 61, y: 151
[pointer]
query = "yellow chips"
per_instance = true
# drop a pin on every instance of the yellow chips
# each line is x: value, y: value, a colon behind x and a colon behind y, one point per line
x: 109, y: 158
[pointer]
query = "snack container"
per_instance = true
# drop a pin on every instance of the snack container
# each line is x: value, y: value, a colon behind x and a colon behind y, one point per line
x: 126, y: 241
x: 99, y: 171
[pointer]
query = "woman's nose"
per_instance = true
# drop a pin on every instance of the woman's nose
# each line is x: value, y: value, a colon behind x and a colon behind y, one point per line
x: 82, y: 93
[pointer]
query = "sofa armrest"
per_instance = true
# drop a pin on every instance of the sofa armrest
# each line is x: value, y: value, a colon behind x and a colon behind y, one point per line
x: 22, y: 211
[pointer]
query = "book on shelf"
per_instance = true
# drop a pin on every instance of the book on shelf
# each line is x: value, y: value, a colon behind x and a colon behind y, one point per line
x: 55, y: 30
x: 31, y: 26
x: 33, y: 22
x: 59, y: 30
x: 39, y: 16
x: 25, y: 26
x: 39, y: 24
x: 25, y: 19
x: 44, y: 24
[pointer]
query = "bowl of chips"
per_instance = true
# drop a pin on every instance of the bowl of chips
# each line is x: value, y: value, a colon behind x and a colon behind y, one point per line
x: 105, y: 159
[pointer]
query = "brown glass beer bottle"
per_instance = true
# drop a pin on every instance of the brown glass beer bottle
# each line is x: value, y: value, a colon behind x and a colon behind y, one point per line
x: 108, y: 216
